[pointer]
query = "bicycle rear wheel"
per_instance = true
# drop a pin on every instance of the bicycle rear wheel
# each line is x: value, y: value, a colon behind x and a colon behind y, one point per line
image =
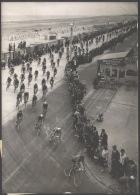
x: 79, y: 178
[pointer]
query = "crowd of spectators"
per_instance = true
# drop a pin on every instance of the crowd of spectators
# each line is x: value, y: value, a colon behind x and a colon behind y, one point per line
x: 122, y: 167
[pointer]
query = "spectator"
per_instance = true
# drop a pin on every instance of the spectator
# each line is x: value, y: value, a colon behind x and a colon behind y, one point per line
x: 104, y: 158
x: 104, y: 138
x: 121, y: 164
x: 115, y: 157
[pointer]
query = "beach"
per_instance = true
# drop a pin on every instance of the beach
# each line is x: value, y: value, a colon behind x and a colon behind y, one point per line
x: 10, y: 28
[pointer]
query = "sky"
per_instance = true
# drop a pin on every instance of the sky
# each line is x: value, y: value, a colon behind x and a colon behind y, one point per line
x: 68, y: 8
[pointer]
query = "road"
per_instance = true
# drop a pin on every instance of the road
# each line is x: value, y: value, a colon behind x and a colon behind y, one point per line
x: 29, y: 164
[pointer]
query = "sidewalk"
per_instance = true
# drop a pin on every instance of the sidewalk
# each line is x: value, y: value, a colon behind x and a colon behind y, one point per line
x: 121, y: 125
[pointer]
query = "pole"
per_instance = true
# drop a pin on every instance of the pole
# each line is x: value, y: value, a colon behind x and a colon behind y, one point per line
x: 107, y: 29
x: 71, y: 35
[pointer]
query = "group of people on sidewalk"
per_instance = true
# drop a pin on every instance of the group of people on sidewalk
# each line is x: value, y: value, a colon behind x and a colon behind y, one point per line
x: 97, y: 145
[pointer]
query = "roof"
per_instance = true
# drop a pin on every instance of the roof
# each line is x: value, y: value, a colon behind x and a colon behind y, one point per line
x: 115, y: 55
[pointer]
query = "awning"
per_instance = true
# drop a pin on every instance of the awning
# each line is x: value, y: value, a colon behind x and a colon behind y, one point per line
x: 131, y: 67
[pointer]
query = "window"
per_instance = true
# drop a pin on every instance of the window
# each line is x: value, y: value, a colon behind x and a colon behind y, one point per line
x: 131, y: 73
x: 114, y: 72
x: 107, y: 71
x: 121, y: 73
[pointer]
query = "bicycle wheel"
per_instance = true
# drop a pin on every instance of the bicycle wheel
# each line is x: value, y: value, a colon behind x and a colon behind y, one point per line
x: 67, y: 171
x: 113, y: 189
x: 79, y: 178
x: 17, y: 126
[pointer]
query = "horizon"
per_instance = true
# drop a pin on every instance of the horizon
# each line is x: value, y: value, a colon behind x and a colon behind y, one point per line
x: 20, y: 10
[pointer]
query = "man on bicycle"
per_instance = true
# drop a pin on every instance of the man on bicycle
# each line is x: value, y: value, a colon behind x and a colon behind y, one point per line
x: 55, y: 71
x: 51, y: 82
x: 36, y: 74
x: 22, y: 88
x: 8, y: 81
x: 44, y: 68
x: 19, y: 97
x: 34, y: 99
x: 45, y: 107
x: 23, y: 69
x: 19, y: 115
x: 30, y: 69
x: 30, y: 76
x: 43, y: 82
x: 15, y: 76
x: 44, y: 89
x: 22, y: 77
x: 35, y: 88
x: 12, y: 70
x: 56, y: 132
x: 41, y: 119
x: 48, y: 75
x: 16, y: 82
x: 78, y: 160
x: 26, y: 96
x: 28, y: 66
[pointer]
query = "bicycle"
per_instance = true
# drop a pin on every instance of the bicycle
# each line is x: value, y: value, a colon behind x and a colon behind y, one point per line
x: 54, y: 141
x: 15, y: 87
x: 25, y: 101
x: 8, y: 85
x: 35, y: 91
x: 17, y: 104
x: 38, y: 129
x: 33, y: 104
x: 44, y: 112
x: 36, y: 77
x: 29, y: 81
x: 77, y: 173
x: 18, y: 124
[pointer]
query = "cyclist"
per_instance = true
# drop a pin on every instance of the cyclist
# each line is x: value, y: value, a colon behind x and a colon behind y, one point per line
x: 51, y: 82
x: 22, y: 77
x: 53, y: 65
x: 56, y: 132
x: 19, y: 97
x: 44, y: 89
x: 8, y: 81
x: 77, y: 160
x: 45, y: 107
x: 43, y: 82
x: 39, y: 60
x: 58, y: 60
x: 19, y: 115
x: 22, y: 88
x: 26, y: 96
x: 30, y: 76
x: 35, y: 88
x: 40, y: 119
x: 30, y: 69
x: 36, y: 74
x: 55, y: 71
x: 23, y: 69
x: 15, y: 76
x: 28, y: 66
x: 34, y: 99
x: 12, y: 70
x: 44, y: 68
x: 48, y: 75
x: 16, y: 82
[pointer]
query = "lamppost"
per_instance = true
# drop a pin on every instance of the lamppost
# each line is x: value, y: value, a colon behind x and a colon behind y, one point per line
x: 71, y: 35
x: 107, y: 29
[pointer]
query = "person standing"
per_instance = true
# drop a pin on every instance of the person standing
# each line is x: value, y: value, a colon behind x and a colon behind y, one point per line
x: 121, y: 164
x: 115, y: 157
x: 104, y: 138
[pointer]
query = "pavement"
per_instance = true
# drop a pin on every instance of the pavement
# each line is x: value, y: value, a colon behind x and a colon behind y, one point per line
x: 30, y: 165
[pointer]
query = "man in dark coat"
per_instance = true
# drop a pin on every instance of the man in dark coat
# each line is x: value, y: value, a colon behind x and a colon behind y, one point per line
x: 115, y: 157
x: 104, y: 138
